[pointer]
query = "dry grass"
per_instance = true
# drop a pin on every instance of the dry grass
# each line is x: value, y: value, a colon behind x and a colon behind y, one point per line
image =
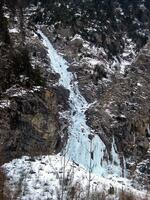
x: 131, y: 196
x: 126, y: 196
x: 98, y: 196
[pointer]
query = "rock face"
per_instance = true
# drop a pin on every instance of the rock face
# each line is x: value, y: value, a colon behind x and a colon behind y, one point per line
x: 30, y: 125
x: 29, y: 103
x: 99, y: 73
x: 77, y: 41
x: 101, y: 22
x: 122, y: 111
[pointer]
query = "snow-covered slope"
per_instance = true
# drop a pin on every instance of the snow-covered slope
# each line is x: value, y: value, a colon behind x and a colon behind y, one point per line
x: 54, y: 177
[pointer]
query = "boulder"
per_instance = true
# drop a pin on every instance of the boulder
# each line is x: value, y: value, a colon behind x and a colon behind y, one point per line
x: 99, y: 73
x: 77, y: 41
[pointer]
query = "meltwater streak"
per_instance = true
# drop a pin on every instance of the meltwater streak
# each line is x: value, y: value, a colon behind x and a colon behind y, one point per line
x: 78, y: 145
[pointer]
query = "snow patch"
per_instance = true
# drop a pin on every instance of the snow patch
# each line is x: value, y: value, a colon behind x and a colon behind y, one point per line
x: 4, y: 103
x: 13, y: 30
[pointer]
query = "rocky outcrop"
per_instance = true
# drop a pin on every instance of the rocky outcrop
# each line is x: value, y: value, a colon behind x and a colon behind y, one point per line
x: 103, y: 23
x: 122, y: 111
x: 99, y: 73
x: 29, y: 125
x: 77, y: 41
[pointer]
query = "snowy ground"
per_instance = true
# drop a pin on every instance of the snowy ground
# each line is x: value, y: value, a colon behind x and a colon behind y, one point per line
x: 44, y: 178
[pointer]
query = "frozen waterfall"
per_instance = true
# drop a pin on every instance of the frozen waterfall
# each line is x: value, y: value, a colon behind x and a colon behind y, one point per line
x: 86, y: 152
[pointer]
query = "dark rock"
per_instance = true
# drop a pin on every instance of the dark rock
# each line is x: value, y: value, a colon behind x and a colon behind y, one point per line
x: 99, y: 73
x: 30, y: 126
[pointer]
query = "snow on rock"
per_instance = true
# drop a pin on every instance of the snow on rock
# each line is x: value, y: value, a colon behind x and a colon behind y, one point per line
x: 77, y: 41
x: 4, y: 103
x: 127, y: 57
x: 13, y: 30
x: 76, y: 37
x: 139, y: 84
x: 93, y: 61
x: 15, y: 91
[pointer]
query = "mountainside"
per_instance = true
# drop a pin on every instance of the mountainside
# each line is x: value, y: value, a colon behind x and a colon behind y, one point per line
x: 75, y: 99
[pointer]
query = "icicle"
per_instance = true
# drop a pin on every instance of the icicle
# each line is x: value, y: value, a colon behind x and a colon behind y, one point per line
x: 116, y: 165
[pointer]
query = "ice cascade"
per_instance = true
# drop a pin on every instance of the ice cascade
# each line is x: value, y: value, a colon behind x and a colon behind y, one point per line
x: 82, y: 149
